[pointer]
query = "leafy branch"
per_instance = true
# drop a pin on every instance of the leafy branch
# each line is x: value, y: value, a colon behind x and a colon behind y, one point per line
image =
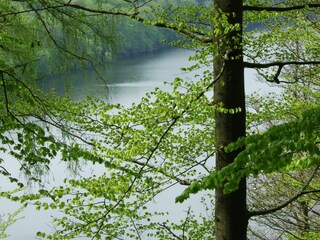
x: 274, y: 150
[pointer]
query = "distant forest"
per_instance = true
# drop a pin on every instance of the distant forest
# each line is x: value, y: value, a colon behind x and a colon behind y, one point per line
x: 136, y: 38
x: 123, y: 38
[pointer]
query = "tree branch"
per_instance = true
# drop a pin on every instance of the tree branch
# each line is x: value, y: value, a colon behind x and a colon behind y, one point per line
x: 185, y: 223
x: 4, y: 171
x: 62, y: 48
x: 289, y: 201
x: 197, y: 35
x: 279, y: 9
x: 280, y: 66
x: 136, y: 228
x: 134, y: 15
x: 175, y: 177
x: 170, y: 231
x: 274, y: 64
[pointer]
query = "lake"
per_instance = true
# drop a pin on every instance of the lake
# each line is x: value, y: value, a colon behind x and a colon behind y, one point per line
x: 124, y: 82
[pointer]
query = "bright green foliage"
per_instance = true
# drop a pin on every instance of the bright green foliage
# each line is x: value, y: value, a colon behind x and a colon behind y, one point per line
x: 282, y: 147
x: 7, y: 221
x: 306, y: 236
x: 167, y: 139
x: 136, y: 142
x: 29, y: 39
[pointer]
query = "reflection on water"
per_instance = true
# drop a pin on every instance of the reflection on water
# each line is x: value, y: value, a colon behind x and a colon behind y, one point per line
x: 124, y: 81
x: 127, y: 81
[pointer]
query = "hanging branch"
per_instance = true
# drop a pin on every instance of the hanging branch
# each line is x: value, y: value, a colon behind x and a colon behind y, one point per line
x: 62, y: 48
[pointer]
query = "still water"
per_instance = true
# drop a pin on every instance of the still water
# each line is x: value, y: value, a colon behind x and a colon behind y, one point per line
x: 127, y: 81
x: 124, y: 82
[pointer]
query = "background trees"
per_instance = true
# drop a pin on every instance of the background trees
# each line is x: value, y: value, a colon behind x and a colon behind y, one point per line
x: 168, y: 138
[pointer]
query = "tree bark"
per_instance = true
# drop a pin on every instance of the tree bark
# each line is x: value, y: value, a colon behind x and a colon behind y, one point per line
x: 231, y: 216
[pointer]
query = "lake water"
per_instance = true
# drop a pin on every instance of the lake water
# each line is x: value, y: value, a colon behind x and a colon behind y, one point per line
x: 125, y: 82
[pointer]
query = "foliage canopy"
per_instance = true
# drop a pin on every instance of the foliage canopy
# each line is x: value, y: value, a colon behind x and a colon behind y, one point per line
x: 167, y: 139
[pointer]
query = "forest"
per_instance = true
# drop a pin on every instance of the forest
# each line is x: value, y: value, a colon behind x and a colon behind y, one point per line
x: 129, y: 38
x: 250, y: 161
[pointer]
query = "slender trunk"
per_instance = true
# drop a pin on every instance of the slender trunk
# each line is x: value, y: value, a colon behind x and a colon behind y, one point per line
x: 231, y: 218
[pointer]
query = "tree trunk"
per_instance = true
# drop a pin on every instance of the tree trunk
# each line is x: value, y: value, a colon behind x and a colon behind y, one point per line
x: 231, y: 218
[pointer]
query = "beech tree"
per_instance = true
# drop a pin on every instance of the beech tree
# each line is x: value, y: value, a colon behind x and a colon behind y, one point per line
x: 183, y: 137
